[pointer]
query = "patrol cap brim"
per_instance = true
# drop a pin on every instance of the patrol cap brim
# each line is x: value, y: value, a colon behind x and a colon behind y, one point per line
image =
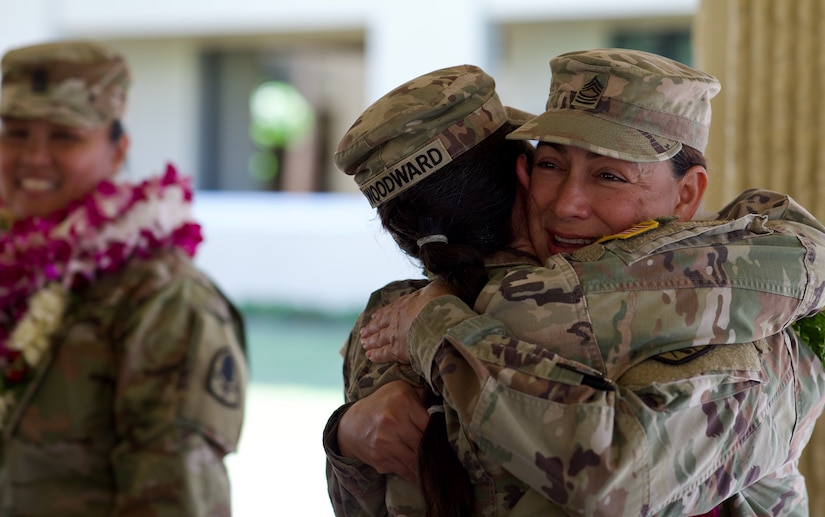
x: 517, y: 117
x: 598, y: 135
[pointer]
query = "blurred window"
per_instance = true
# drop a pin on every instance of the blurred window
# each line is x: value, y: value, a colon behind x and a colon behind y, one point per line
x: 259, y: 131
x: 672, y: 43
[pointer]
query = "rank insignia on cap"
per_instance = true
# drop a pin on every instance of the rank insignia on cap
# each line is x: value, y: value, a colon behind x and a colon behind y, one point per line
x: 683, y: 355
x: 633, y: 231
x: 40, y: 80
x: 224, y: 379
x: 588, y: 97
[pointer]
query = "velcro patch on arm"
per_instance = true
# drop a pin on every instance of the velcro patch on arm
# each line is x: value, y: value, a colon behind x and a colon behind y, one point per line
x: 683, y: 355
x: 683, y: 364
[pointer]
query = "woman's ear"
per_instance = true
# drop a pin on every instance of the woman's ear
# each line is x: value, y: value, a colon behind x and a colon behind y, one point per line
x: 691, y: 190
x: 120, y: 152
x: 523, y: 171
x: 518, y: 218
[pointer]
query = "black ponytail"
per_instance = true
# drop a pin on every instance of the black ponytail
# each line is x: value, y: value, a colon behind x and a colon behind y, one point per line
x: 469, y: 203
x: 445, y: 485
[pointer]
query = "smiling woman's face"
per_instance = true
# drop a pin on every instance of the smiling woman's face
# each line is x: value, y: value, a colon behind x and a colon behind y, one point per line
x: 575, y: 197
x: 44, y: 166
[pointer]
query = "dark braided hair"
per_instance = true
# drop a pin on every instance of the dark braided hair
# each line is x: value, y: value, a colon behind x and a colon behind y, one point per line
x: 469, y: 202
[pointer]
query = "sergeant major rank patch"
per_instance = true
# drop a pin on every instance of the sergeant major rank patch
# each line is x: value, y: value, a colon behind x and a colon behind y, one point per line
x: 40, y: 80
x: 223, y: 382
x: 590, y: 94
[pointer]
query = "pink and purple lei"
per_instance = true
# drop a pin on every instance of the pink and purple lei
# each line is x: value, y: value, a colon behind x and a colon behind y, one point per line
x: 95, y: 235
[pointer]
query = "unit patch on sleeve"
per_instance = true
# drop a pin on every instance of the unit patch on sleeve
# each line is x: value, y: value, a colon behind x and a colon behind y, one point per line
x: 224, y: 381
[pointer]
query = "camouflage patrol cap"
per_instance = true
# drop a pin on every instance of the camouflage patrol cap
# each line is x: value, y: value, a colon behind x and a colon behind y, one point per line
x: 626, y: 104
x: 76, y: 83
x: 419, y: 127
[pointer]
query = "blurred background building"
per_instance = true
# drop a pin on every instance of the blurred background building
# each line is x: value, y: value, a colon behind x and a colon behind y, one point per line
x: 250, y: 97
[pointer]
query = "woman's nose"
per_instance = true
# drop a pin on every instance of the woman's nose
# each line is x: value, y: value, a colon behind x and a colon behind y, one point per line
x: 35, y: 151
x: 572, y: 200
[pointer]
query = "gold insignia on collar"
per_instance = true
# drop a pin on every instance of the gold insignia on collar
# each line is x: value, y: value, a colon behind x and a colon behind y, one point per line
x: 633, y: 231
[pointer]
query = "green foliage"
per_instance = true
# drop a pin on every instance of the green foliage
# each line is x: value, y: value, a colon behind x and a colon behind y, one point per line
x: 812, y: 331
x: 281, y: 116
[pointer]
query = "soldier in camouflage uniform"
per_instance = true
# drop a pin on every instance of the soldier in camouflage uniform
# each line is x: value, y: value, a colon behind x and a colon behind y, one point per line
x: 122, y: 366
x: 657, y: 424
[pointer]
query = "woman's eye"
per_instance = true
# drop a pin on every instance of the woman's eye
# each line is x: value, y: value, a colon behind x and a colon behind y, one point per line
x: 12, y: 133
x: 609, y: 176
x: 64, y: 135
x: 545, y: 164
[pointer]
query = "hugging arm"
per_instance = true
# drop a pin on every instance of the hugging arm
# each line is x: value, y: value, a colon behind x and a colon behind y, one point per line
x: 372, y: 439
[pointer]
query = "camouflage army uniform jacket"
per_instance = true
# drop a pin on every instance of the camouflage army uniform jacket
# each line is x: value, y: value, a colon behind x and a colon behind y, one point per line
x: 136, y: 403
x: 673, y: 433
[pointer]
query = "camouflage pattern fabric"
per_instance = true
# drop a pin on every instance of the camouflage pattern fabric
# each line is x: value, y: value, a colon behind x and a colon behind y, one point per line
x: 135, y: 405
x: 611, y: 352
x: 628, y: 104
x: 74, y: 83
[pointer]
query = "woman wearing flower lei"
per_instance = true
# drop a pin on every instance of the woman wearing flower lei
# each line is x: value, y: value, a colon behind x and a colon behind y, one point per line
x: 122, y: 368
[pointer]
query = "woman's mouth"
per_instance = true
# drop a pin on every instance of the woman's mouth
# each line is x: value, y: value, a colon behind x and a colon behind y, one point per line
x: 568, y: 244
x: 36, y: 184
x: 573, y: 241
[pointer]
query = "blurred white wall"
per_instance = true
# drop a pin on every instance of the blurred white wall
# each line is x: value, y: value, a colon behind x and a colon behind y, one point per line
x: 313, y: 251
x: 162, y: 115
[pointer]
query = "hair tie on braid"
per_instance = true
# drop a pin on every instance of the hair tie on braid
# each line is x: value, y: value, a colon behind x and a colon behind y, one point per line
x: 431, y: 238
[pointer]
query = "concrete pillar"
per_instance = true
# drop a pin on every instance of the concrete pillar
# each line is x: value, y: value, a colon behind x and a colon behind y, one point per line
x: 24, y: 23
x: 404, y: 43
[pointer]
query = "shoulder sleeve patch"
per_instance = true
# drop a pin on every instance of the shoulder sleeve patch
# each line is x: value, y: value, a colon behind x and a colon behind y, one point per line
x: 224, y: 380
x: 214, y: 398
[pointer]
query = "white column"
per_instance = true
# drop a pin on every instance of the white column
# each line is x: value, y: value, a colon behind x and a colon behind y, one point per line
x: 404, y: 43
x: 26, y: 22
